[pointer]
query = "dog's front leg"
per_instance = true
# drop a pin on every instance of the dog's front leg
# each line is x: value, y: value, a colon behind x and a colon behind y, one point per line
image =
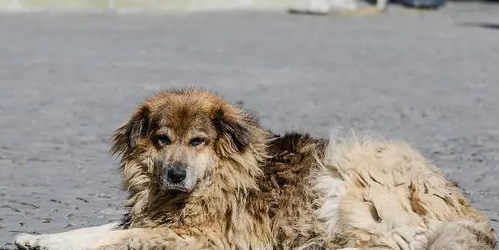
x: 109, y: 238
x: 79, y: 239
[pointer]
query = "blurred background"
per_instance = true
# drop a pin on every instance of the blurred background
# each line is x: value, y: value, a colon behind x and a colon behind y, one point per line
x: 73, y: 70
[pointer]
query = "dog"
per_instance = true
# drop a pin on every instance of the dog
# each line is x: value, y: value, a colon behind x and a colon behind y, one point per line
x: 204, y: 174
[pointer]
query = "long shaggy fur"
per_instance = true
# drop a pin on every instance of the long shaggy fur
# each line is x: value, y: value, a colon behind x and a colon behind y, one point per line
x: 292, y: 191
x: 391, y: 194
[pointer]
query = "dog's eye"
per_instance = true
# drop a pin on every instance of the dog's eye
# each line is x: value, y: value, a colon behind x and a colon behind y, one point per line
x: 163, y: 139
x: 196, y: 142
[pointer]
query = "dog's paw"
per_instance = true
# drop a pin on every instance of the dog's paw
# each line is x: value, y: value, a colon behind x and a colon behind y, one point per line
x: 42, y: 242
x: 27, y: 242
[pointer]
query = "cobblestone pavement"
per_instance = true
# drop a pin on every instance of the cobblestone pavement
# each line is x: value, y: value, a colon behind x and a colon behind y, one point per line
x: 66, y: 81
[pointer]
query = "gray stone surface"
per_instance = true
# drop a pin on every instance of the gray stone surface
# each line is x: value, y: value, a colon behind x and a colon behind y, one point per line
x: 66, y: 81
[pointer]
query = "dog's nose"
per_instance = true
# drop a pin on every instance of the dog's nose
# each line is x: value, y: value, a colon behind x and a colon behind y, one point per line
x: 176, y: 173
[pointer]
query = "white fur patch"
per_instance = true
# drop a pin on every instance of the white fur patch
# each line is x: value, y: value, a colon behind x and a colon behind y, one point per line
x: 332, y: 190
x: 80, y: 239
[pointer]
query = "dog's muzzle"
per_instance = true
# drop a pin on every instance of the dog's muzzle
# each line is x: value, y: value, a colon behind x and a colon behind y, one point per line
x: 173, y: 176
x: 176, y: 173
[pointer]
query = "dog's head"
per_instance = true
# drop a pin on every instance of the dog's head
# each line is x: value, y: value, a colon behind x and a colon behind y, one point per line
x: 175, y: 138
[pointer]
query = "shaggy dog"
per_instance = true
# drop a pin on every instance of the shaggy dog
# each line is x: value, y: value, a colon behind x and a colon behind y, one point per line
x: 202, y: 174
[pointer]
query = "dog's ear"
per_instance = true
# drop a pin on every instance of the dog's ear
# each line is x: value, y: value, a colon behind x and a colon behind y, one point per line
x: 233, y: 128
x: 125, y: 138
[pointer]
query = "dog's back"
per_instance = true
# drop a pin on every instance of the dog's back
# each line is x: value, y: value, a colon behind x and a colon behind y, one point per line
x: 365, y: 193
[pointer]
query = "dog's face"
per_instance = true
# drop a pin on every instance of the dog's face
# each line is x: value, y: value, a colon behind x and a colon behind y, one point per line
x: 182, y: 145
x: 179, y: 136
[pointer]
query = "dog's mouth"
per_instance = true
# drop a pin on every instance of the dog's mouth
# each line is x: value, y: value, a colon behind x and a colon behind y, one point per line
x: 174, y: 188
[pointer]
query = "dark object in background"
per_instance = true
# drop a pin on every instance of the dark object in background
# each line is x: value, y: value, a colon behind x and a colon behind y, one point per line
x: 494, y: 26
x: 421, y: 4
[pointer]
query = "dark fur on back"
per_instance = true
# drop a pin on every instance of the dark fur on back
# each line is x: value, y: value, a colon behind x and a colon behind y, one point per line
x: 284, y: 187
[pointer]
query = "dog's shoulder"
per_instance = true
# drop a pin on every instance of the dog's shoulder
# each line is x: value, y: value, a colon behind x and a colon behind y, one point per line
x: 294, y: 148
x: 285, y: 191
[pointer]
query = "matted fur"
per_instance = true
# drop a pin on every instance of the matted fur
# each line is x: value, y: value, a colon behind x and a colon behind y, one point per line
x: 256, y: 190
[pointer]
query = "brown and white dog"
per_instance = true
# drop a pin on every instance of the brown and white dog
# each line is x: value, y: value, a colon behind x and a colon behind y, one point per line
x: 202, y: 174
